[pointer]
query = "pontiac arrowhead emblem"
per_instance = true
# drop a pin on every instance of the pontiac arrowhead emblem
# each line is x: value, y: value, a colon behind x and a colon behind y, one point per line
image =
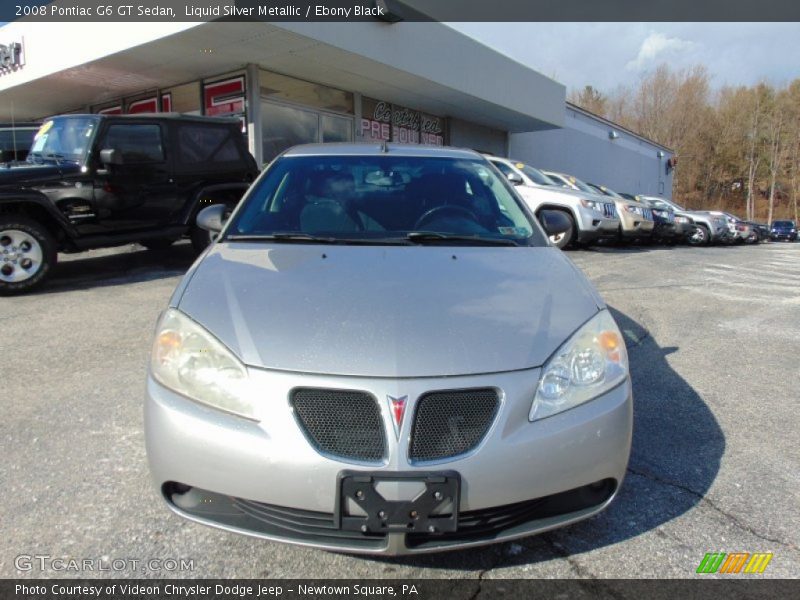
x: 397, y: 407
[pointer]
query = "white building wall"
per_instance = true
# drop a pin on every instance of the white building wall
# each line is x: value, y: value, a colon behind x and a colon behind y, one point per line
x: 585, y: 148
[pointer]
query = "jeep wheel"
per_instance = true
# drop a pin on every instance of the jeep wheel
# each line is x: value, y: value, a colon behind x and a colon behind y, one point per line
x: 700, y: 236
x: 562, y: 240
x: 27, y: 253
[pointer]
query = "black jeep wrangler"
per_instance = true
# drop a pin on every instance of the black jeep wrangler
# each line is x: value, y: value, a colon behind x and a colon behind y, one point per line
x: 91, y: 181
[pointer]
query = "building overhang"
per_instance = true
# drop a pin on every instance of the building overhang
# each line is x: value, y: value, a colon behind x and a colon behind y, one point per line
x: 426, y: 66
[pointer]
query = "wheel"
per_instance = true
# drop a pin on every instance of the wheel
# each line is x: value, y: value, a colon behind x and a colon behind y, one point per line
x: 752, y: 238
x: 200, y: 238
x: 562, y: 240
x: 27, y: 253
x: 157, y: 244
x: 700, y: 236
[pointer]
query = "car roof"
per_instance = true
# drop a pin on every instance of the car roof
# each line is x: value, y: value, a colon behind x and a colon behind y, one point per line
x: 380, y: 148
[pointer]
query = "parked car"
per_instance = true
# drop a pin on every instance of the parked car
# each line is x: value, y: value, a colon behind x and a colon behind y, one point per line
x: 665, y: 229
x: 375, y: 343
x: 591, y: 218
x: 16, y: 140
x: 636, y: 220
x: 760, y: 231
x: 739, y: 231
x: 783, y: 230
x: 682, y: 228
x: 708, y: 227
x: 93, y: 180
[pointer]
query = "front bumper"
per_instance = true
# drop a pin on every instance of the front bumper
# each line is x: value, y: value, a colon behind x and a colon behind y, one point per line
x: 783, y: 236
x: 634, y: 226
x: 593, y: 225
x: 266, y: 480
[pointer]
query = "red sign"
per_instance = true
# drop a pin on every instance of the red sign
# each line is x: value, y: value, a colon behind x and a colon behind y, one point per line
x: 224, y: 97
x: 166, y: 102
x: 147, y: 105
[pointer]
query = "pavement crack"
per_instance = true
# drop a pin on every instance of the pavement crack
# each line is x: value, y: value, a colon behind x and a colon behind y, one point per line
x: 483, y: 572
x: 587, y: 580
x: 706, y: 501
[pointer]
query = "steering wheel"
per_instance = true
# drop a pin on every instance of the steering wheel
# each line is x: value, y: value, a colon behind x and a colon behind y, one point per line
x: 445, y: 210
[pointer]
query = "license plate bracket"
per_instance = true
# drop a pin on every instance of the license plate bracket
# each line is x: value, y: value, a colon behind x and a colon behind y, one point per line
x: 434, y: 510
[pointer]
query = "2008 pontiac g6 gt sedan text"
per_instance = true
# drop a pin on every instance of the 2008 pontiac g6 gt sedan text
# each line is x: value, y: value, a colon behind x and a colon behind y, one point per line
x: 382, y: 353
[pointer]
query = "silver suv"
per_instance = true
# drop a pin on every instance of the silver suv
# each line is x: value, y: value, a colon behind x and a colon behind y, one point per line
x: 709, y: 227
x: 591, y: 217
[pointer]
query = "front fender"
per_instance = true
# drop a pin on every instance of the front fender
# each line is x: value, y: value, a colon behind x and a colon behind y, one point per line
x: 12, y: 199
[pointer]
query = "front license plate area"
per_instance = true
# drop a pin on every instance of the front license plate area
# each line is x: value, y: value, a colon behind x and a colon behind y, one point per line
x: 433, y: 510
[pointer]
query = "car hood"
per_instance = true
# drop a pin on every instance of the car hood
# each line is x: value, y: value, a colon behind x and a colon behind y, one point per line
x: 388, y: 311
x: 24, y: 173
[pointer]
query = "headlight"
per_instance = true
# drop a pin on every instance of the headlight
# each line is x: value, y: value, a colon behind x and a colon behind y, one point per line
x: 681, y: 219
x: 591, y: 362
x: 593, y: 204
x: 189, y: 360
x: 633, y: 209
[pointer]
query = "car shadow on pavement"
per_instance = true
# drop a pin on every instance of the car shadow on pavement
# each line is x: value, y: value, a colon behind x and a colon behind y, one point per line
x: 132, y: 264
x: 677, y: 450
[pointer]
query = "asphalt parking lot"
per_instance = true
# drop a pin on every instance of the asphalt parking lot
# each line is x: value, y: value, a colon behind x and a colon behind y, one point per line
x: 714, y: 339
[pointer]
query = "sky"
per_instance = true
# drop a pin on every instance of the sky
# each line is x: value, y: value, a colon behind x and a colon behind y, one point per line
x: 606, y: 55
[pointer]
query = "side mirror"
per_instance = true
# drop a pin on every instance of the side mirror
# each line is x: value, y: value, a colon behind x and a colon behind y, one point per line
x: 515, y: 178
x: 110, y: 156
x: 212, y: 218
x: 554, y: 222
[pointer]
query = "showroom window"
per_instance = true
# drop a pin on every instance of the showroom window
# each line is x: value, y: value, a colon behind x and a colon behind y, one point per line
x: 284, y: 126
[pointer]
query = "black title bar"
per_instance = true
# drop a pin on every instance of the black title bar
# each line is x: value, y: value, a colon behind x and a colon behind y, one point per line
x: 391, y: 11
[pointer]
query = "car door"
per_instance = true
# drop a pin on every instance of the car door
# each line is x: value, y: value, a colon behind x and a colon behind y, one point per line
x: 138, y: 191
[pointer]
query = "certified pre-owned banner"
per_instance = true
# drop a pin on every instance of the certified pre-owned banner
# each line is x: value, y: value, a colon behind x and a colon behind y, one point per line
x: 392, y: 11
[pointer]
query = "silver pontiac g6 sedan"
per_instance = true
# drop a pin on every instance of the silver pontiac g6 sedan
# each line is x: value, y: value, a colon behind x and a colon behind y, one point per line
x: 382, y: 353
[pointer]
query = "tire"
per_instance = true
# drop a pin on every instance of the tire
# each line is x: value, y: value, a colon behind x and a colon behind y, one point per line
x: 157, y: 244
x: 27, y: 254
x: 700, y: 237
x: 565, y: 239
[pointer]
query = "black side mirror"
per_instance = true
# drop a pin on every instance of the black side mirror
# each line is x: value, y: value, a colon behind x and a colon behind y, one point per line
x: 110, y: 156
x: 212, y: 218
x: 515, y: 178
x: 554, y: 222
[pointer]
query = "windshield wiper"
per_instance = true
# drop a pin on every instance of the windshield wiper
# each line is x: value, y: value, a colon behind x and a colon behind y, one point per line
x: 280, y: 237
x: 420, y: 237
x: 306, y: 238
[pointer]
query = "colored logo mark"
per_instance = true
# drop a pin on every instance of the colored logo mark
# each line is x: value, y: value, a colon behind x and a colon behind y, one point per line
x: 734, y: 562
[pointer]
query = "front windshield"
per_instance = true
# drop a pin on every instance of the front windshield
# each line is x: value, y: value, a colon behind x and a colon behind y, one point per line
x: 63, y: 139
x: 607, y: 191
x: 383, y: 200
x: 535, y: 175
x: 581, y: 185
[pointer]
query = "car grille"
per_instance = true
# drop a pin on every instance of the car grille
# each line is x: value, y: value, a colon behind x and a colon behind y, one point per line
x: 341, y: 423
x: 609, y: 210
x: 647, y: 214
x: 450, y: 423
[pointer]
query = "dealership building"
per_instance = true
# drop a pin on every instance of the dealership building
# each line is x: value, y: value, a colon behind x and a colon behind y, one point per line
x: 291, y: 83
